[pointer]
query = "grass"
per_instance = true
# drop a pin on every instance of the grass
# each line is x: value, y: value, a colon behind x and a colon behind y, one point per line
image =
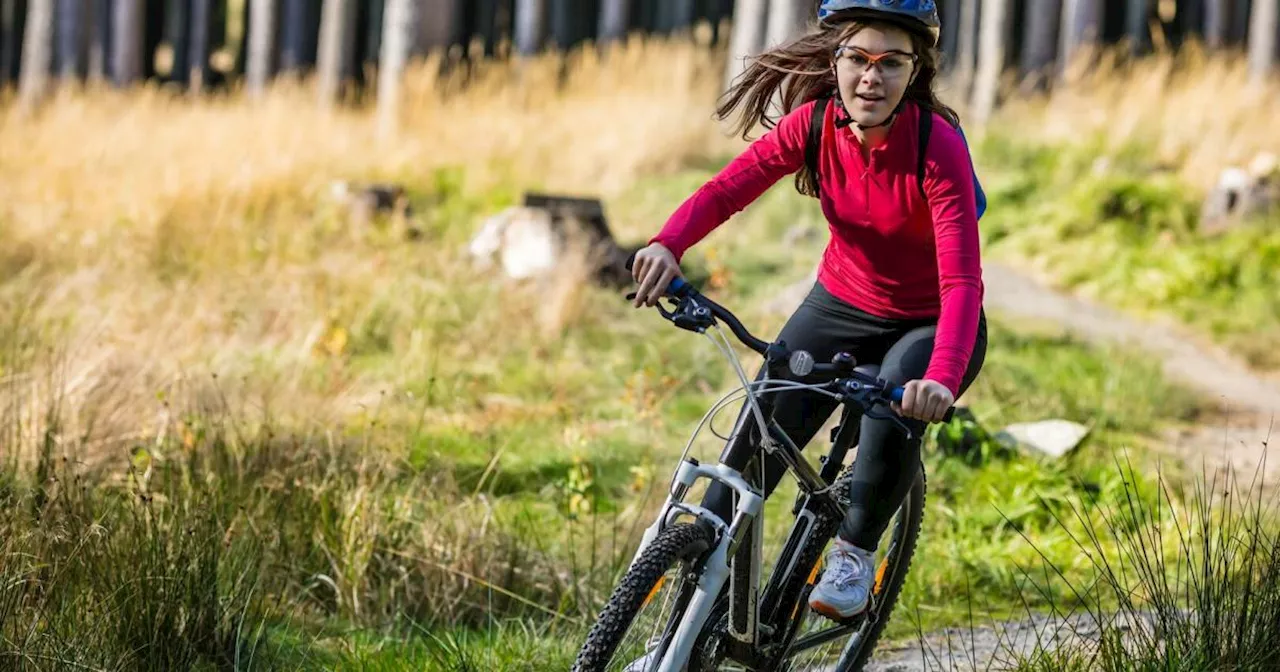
x: 1146, y: 223
x: 240, y: 429
x: 1116, y: 168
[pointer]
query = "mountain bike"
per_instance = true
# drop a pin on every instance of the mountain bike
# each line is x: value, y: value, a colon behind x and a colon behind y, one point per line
x: 692, y: 597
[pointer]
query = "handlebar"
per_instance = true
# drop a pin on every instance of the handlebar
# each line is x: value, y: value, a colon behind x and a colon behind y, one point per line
x: 703, y: 308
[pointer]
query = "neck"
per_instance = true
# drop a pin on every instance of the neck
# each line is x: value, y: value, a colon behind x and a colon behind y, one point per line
x: 872, y: 137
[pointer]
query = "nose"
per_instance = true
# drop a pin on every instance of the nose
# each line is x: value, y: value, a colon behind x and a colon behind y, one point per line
x: 871, y: 77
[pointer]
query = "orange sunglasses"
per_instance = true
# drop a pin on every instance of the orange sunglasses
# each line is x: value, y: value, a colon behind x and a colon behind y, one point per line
x: 891, y: 63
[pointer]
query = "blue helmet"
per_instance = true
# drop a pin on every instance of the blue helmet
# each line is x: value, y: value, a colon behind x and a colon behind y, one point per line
x: 919, y: 14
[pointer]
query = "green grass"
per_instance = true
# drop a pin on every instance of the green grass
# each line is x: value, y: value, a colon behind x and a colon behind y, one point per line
x: 1064, y: 208
x: 476, y: 511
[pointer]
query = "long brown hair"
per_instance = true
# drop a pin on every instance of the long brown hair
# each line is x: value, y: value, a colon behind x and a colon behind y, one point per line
x: 800, y: 71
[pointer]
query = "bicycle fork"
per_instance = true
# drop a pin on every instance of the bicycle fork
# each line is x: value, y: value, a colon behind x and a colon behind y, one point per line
x: 716, y: 569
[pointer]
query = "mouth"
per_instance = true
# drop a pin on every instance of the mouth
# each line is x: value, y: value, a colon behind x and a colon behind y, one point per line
x: 869, y: 98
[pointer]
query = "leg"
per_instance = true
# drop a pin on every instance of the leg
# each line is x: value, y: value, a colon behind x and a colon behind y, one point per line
x: 887, y: 462
x: 821, y: 327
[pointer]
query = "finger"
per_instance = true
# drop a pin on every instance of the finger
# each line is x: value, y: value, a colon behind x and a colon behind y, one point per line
x: 637, y: 267
x: 646, y: 286
x: 911, y: 400
x: 924, y: 403
x: 935, y: 408
x: 664, y: 281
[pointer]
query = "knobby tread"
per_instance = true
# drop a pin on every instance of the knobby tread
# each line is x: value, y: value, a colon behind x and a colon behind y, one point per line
x: 684, y: 541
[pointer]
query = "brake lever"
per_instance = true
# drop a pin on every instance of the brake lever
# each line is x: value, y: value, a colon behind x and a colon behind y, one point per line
x: 668, y: 314
x: 875, y: 413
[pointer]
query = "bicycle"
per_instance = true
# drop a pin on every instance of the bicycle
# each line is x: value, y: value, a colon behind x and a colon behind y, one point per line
x: 689, y: 562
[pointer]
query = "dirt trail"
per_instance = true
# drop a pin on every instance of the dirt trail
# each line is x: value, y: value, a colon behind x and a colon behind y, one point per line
x: 1250, y: 402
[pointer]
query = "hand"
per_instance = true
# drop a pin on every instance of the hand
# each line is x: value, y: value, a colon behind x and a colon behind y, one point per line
x: 654, y: 269
x: 925, y: 400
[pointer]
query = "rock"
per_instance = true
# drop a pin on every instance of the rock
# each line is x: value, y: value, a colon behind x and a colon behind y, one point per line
x: 1054, y: 438
x: 364, y: 202
x: 534, y: 239
x: 1241, y: 193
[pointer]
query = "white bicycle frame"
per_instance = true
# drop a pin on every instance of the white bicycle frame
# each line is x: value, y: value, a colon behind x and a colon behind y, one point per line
x: 746, y: 517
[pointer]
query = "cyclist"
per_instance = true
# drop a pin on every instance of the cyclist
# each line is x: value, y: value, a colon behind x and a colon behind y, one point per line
x: 900, y: 282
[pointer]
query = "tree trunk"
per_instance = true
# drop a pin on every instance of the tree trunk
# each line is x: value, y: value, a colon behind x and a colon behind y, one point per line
x: 950, y: 16
x: 749, y: 22
x: 1216, y: 23
x: 294, y: 29
x: 337, y: 44
x: 1137, y: 26
x: 198, y: 44
x: 966, y: 47
x: 1262, y: 38
x: 787, y: 19
x: 1190, y: 20
x: 37, y: 54
x: 991, y: 57
x: 435, y: 25
x: 562, y: 24
x: 1041, y: 44
x: 127, y: 41
x: 261, y: 38
x: 614, y: 18
x: 71, y: 34
x: 398, y: 29
x: 10, y: 41
x: 683, y: 13
x: 1239, y: 30
x: 1081, y: 26
x: 178, y: 33
x: 531, y: 26
x: 97, y: 19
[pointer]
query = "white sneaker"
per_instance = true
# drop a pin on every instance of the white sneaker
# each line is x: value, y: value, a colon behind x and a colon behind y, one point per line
x: 845, y: 588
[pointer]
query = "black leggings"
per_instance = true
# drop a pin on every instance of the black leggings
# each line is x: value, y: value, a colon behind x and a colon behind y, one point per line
x: 887, y: 462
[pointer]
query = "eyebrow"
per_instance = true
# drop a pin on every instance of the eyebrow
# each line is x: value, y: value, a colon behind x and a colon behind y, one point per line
x: 887, y: 51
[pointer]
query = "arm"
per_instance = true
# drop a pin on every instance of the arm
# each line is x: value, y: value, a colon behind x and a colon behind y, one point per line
x: 949, y: 186
x: 778, y: 153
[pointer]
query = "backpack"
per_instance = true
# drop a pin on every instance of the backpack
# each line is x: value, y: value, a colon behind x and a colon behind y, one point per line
x: 813, y: 144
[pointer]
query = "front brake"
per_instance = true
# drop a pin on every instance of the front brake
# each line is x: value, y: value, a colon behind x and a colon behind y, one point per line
x: 875, y: 413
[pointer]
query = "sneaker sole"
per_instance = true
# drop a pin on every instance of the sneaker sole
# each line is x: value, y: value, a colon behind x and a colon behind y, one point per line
x: 832, y: 613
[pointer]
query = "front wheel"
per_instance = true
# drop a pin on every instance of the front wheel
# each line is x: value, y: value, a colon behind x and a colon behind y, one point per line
x: 636, y: 625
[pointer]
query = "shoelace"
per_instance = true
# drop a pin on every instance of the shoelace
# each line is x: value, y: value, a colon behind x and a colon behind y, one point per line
x: 847, y: 568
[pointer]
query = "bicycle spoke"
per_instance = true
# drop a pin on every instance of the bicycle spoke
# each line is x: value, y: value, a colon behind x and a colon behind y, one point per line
x: 655, y: 623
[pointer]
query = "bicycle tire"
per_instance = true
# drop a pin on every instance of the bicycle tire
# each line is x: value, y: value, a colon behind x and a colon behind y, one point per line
x: 685, y: 542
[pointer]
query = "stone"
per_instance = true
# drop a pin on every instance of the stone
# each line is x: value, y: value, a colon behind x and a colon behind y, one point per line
x: 1053, y: 438
x: 1241, y: 193
x: 533, y: 240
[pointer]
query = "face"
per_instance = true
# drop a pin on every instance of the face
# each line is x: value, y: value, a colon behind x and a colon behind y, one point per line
x: 874, y: 67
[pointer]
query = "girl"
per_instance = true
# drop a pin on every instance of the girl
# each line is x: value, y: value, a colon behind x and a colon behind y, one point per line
x: 900, y: 282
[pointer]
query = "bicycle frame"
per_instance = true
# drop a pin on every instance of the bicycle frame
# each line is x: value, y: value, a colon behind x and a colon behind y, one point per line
x: 746, y: 527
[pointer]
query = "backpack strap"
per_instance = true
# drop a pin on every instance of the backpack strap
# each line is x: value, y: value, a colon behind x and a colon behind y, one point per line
x: 922, y: 145
x: 813, y: 143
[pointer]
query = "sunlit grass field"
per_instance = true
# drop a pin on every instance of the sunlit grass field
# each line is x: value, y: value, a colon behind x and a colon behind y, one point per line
x: 241, y: 428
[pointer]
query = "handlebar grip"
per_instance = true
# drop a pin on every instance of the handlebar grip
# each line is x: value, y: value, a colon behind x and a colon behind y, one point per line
x: 896, y: 395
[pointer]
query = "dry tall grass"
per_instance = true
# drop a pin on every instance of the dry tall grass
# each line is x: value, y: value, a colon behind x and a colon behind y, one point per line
x: 162, y: 235
x: 1197, y: 110
x: 153, y: 236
